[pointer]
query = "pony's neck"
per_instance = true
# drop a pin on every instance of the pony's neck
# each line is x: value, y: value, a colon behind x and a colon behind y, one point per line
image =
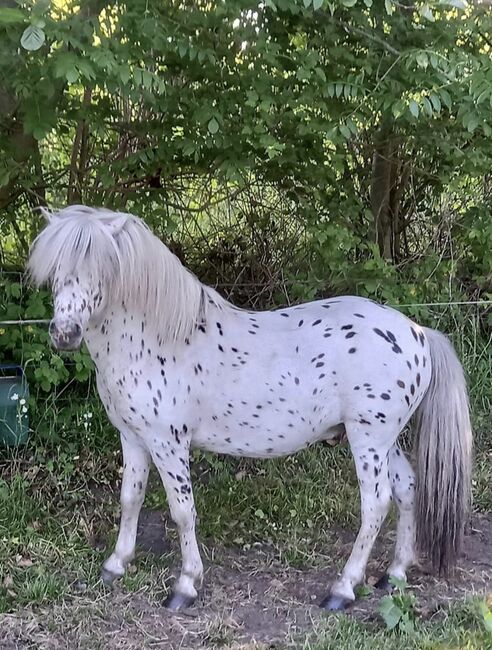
x: 119, y: 331
x: 122, y: 328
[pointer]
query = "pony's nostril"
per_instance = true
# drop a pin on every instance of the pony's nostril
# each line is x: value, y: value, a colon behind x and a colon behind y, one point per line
x: 52, y: 328
x: 77, y: 330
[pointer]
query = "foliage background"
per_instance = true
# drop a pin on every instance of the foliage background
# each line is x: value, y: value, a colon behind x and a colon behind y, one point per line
x: 284, y: 150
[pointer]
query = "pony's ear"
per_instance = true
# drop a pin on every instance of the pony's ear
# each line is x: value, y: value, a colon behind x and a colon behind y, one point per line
x: 116, y: 224
x: 47, y: 214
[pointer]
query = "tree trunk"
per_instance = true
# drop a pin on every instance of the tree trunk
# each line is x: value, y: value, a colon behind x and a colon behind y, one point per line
x: 389, y: 178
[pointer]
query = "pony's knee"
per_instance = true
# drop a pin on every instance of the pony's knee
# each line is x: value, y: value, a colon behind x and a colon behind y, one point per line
x: 132, y: 496
x: 183, y: 516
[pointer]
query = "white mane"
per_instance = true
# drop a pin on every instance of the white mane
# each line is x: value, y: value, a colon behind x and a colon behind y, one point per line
x: 133, y: 265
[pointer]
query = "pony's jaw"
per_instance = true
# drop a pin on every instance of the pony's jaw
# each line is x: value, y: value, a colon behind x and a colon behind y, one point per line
x: 66, y: 334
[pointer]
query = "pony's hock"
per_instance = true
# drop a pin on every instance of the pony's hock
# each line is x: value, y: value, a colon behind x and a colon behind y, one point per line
x: 180, y: 367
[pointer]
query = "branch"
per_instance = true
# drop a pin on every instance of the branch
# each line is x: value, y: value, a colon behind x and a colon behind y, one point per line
x: 372, y: 37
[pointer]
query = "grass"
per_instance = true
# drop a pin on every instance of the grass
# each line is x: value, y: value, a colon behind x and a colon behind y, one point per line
x: 59, y: 505
x: 459, y: 628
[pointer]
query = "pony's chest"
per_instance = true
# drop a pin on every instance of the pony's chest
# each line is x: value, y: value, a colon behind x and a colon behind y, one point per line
x: 133, y: 393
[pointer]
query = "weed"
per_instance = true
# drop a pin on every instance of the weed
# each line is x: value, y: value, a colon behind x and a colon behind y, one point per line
x: 398, y: 609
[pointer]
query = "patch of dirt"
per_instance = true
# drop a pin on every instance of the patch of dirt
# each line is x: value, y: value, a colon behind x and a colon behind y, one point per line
x: 250, y: 599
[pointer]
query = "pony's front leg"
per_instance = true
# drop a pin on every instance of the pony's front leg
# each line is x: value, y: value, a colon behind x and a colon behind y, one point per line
x: 136, y: 461
x: 372, y: 471
x: 173, y: 467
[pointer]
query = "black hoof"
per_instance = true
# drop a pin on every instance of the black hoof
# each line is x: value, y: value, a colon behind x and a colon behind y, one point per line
x: 335, y: 603
x: 108, y: 577
x: 384, y: 583
x: 176, y: 601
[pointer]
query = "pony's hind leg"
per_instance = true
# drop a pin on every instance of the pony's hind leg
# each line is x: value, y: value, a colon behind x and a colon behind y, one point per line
x: 370, y: 451
x: 136, y: 461
x: 402, y: 478
x: 174, y: 471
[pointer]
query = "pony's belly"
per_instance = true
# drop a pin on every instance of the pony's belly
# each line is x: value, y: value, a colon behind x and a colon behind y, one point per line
x: 259, y: 443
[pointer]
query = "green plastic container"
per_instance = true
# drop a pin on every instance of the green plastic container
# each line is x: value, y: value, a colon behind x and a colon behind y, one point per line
x: 14, y: 393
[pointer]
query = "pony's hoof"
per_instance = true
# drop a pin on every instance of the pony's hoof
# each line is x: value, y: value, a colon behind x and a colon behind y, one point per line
x: 335, y: 603
x: 384, y: 583
x: 108, y: 577
x: 176, y: 601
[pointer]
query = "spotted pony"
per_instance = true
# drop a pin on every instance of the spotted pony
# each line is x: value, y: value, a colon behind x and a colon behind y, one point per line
x: 180, y: 367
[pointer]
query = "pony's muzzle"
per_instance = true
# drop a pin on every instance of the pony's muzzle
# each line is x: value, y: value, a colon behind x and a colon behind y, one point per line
x: 66, y: 335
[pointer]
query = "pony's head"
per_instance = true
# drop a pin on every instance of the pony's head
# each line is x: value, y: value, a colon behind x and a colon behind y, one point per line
x: 75, y: 301
x: 94, y: 258
x: 78, y: 255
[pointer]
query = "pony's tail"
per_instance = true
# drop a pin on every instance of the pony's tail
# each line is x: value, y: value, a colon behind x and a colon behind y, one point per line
x: 444, y: 457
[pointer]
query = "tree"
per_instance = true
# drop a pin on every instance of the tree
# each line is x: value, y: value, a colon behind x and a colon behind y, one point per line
x: 358, y: 113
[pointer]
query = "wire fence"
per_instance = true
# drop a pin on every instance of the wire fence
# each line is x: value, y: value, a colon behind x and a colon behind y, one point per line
x: 450, y: 303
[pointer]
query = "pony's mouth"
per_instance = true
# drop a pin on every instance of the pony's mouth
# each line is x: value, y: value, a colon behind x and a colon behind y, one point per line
x: 66, y: 346
x: 66, y: 339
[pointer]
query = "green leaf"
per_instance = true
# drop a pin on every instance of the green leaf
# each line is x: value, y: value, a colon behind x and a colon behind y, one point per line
x: 317, y: 4
x: 32, y: 38
x: 11, y: 16
x: 446, y: 98
x: 483, y: 96
x: 398, y: 108
x: 459, y: 4
x: 72, y: 75
x: 85, y: 69
x: 406, y: 624
x: 472, y: 122
x: 352, y: 126
x: 413, y: 107
x: 349, y: 3
x: 389, y: 7
x: 213, y: 126
x: 398, y: 583
x: 427, y: 106
x: 436, y: 102
x: 422, y: 60
x: 426, y: 12
x: 307, y: 3
x: 390, y: 612
x: 345, y: 131
x: 124, y: 73
x: 41, y: 6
